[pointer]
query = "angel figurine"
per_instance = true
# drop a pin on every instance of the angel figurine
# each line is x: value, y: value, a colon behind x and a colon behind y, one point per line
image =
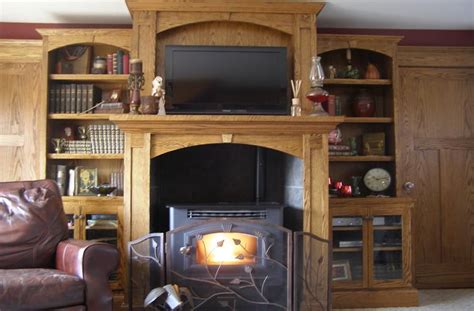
x: 158, y: 91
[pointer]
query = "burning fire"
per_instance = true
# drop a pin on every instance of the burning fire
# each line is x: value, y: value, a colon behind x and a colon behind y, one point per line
x: 226, y: 248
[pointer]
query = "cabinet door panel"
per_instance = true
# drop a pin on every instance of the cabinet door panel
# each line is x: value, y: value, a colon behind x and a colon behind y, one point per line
x: 19, y: 121
x: 436, y: 113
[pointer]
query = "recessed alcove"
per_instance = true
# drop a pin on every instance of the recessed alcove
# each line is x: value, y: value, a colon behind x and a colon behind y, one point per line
x: 223, y: 174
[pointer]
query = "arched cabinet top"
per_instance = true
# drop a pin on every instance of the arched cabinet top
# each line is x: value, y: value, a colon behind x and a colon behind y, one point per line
x: 386, y: 45
x: 284, y: 22
x: 57, y: 38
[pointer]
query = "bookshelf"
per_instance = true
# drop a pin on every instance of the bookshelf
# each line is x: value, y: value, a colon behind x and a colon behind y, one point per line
x: 70, y: 88
x: 382, y: 265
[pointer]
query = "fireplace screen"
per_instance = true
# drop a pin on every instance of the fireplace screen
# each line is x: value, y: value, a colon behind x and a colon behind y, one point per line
x: 234, y: 265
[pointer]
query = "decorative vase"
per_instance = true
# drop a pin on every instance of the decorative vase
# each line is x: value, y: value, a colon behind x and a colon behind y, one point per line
x: 363, y: 104
x: 149, y: 105
x: 372, y: 72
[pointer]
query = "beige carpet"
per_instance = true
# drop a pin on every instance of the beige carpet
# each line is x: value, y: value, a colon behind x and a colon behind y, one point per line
x: 438, y: 300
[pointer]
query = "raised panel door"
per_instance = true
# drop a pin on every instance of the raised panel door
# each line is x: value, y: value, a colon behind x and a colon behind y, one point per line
x: 436, y: 114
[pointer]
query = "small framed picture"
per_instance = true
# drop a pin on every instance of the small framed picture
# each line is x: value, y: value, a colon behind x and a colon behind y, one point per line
x: 85, y: 178
x: 341, y: 270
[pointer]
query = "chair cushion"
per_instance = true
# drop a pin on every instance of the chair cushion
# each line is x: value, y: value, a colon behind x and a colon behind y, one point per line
x: 32, y: 223
x: 39, y: 289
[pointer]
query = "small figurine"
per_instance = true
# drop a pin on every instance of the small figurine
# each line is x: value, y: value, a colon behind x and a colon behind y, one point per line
x: 332, y: 72
x: 158, y: 91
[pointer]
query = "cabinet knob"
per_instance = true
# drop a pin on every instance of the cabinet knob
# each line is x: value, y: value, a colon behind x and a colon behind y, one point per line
x: 408, y: 186
x: 75, y: 216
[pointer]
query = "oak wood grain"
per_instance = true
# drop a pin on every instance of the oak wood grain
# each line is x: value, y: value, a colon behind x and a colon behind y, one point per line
x: 436, y: 145
x: 20, y: 118
x: 438, y: 57
x: 264, y: 6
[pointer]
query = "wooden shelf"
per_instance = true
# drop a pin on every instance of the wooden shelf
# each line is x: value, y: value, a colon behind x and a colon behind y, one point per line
x: 92, y: 199
x: 85, y: 156
x: 347, y: 249
x: 357, y: 82
x: 347, y: 228
x: 105, y: 78
x: 387, y: 228
x: 337, y: 203
x: 78, y: 116
x: 367, y: 120
x: 387, y: 249
x: 361, y: 158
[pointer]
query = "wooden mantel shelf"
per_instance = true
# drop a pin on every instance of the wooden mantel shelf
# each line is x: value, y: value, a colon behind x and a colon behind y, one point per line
x: 262, y: 6
x: 200, y: 124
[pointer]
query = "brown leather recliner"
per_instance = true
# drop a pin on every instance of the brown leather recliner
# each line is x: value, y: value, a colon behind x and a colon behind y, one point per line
x: 40, y: 268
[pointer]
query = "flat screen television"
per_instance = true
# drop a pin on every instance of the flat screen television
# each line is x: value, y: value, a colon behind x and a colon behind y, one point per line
x: 226, y: 80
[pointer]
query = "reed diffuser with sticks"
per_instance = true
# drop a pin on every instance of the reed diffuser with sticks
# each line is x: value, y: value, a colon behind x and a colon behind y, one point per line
x: 295, y: 101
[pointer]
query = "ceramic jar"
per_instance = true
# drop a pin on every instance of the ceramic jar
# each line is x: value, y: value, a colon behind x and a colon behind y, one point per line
x: 363, y: 104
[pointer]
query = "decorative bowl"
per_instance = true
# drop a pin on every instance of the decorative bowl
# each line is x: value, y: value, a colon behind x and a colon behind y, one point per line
x: 102, y: 190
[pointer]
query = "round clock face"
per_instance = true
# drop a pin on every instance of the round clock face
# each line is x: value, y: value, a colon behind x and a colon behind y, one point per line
x: 377, y: 179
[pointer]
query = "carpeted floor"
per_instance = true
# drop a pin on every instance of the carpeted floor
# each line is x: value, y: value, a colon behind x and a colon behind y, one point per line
x: 438, y: 300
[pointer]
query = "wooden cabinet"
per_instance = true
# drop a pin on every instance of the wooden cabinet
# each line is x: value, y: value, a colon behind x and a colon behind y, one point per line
x: 372, y: 252
x: 90, y: 217
x: 371, y: 235
x: 96, y: 218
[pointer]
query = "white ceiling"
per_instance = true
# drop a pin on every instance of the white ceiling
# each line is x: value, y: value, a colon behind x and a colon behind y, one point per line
x: 381, y: 14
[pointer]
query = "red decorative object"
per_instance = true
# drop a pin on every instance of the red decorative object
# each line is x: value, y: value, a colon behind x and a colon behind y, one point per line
x: 363, y: 105
x: 338, y: 185
x: 346, y: 191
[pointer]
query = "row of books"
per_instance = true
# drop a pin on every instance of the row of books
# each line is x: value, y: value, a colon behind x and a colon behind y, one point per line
x: 73, y: 98
x: 78, y: 146
x: 106, y: 138
x: 118, y: 63
x: 341, y: 150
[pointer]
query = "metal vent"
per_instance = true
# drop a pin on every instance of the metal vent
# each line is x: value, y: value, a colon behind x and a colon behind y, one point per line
x: 256, y: 214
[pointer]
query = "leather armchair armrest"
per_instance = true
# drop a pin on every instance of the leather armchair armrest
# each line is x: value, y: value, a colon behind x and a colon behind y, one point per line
x: 93, y: 262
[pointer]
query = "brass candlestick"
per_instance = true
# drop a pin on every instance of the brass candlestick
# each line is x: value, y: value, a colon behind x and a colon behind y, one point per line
x: 136, y: 80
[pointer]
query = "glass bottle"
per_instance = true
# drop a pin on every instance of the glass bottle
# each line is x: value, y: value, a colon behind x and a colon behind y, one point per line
x: 317, y: 94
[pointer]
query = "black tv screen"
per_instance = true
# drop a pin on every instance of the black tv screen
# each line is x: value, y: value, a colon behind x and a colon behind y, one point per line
x: 226, y: 80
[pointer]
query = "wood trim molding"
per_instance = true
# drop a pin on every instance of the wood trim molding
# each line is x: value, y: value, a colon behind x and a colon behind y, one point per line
x: 281, y: 22
x: 382, y: 44
x: 443, y: 143
x: 21, y: 51
x: 62, y: 37
x: 263, y: 6
x: 427, y: 56
x: 254, y: 125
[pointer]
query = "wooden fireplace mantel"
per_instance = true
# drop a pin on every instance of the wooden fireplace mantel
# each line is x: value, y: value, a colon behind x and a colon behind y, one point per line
x: 207, y: 124
x: 147, y: 137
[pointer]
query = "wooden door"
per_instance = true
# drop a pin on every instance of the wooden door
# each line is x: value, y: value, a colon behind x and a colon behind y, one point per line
x: 436, y: 148
x: 20, y: 111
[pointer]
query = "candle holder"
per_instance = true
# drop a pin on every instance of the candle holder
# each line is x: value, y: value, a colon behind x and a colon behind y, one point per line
x: 136, y: 80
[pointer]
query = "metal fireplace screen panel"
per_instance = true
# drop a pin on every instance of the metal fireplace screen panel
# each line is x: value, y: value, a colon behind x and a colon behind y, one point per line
x: 231, y: 265
x: 146, y: 268
x: 311, y: 272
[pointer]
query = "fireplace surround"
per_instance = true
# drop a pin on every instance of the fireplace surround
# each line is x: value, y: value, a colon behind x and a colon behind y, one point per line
x: 159, y: 23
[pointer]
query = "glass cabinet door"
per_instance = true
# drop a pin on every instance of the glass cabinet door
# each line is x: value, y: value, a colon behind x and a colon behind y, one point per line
x: 387, y: 238
x: 102, y: 228
x: 348, y: 255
